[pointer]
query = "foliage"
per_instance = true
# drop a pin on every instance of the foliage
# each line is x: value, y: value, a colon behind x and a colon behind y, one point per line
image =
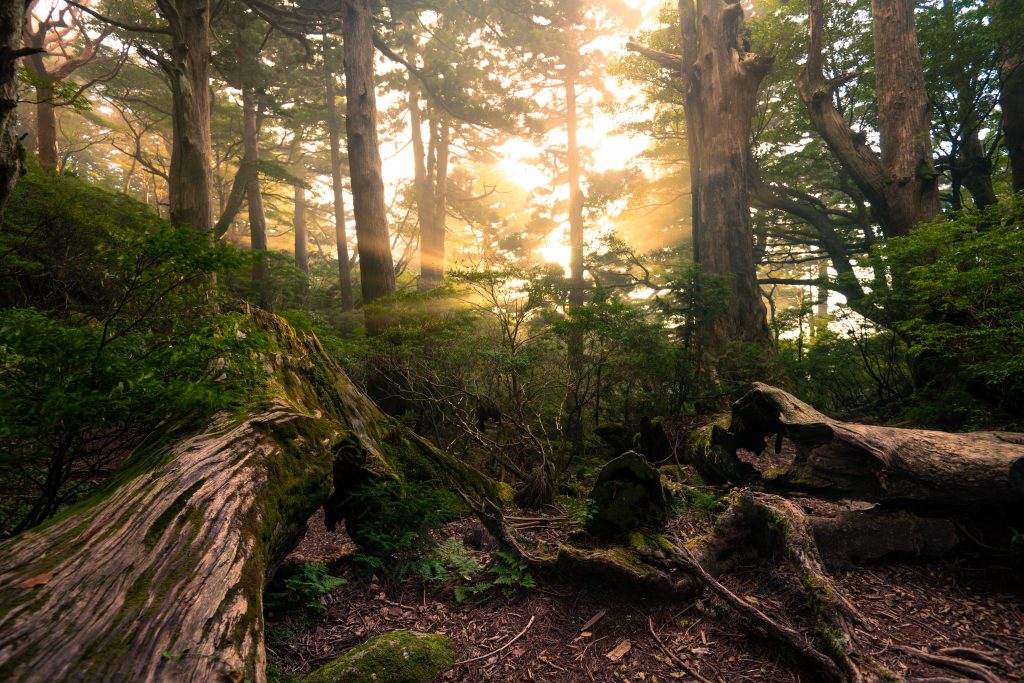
x: 393, y: 524
x: 958, y: 302
x: 698, y: 501
x: 451, y: 564
x: 302, y: 587
x: 105, y: 333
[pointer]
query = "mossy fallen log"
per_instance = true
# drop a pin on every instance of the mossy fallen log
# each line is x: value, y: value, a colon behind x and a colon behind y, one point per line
x: 159, y: 577
x: 838, y: 459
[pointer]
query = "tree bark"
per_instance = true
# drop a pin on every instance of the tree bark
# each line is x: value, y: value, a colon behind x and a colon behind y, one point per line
x: 254, y: 198
x: 11, y: 154
x: 864, y: 462
x: 161, y: 578
x: 901, y: 186
x: 903, y: 123
x: 1011, y: 89
x: 46, y: 124
x: 187, y: 66
x: 376, y: 268
x: 722, y: 80
x: 337, y: 187
x: 301, y: 231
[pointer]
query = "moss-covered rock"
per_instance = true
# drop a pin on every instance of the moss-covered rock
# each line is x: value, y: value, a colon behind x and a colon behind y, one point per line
x: 396, y: 657
x: 628, y: 495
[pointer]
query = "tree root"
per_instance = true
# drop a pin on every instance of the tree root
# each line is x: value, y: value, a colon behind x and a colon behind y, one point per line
x: 755, y: 525
x: 792, y: 638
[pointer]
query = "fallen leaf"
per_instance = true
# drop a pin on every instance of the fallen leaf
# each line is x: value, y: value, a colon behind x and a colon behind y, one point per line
x: 40, y: 580
x: 593, y: 620
x: 616, y: 653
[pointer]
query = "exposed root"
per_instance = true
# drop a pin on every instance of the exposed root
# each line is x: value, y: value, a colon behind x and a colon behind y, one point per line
x: 975, y: 671
x: 768, y: 627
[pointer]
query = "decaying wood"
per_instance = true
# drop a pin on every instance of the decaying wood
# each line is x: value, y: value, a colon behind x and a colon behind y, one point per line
x: 161, y: 577
x: 881, y: 464
x: 857, y: 537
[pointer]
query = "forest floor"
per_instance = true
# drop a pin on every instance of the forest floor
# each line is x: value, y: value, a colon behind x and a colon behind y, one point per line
x: 564, y: 630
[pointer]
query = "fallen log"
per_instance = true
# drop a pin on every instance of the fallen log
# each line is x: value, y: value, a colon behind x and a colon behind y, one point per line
x: 160, y: 576
x: 864, y: 462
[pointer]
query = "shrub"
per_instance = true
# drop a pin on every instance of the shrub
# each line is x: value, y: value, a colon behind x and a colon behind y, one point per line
x: 958, y: 301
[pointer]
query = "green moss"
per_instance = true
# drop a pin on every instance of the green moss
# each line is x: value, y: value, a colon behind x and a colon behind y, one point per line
x: 627, y: 496
x: 505, y: 492
x: 396, y: 657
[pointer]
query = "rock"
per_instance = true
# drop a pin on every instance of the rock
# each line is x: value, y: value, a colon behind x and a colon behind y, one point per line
x: 615, y: 436
x: 627, y: 495
x: 396, y: 657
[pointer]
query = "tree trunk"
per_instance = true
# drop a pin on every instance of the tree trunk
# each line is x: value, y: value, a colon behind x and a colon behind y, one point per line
x: 574, y: 346
x: 901, y: 186
x: 864, y: 462
x: 432, y: 241
x: 190, y: 181
x: 301, y: 231
x: 912, y: 187
x: 11, y: 154
x: 430, y: 272
x: 338, y: 190
x: 976, y: 171
x: 722, y: 79
x: 376, y: 268
x: 1011, y: 87
x: 161, y: 578
x: 46, y: 117
x: 254, y: 198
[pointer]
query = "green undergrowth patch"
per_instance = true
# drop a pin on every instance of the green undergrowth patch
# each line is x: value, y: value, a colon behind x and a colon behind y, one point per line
x: 452, y: 566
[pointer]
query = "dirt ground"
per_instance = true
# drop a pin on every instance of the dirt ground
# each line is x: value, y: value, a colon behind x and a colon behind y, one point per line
x: 564, y: 630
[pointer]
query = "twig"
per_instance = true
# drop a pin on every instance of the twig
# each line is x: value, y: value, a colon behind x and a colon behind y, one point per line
x: 675, y: 658
x: 494, y: 652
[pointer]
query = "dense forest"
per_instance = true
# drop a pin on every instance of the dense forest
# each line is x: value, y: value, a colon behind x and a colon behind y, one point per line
x: 533, y: 340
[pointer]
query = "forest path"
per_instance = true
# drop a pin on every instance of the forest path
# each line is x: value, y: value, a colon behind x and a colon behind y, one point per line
x: 962, y: 603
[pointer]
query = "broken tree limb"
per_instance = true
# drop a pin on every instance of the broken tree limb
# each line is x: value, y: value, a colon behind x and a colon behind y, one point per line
x: 160, y: 576
x: 880, y: 464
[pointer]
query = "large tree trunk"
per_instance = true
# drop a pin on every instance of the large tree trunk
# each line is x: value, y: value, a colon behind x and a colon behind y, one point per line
x: 865, y: 462
x: 161, y: 577
x: 901, y: 186
x: 722, y: 80
x: 337, y: 188
x: 187, y: 66
x: 903, y: 123
x: 254, y: 198
x: 376, y: 267
x: 1011, y: 86
x: 11, y: 19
